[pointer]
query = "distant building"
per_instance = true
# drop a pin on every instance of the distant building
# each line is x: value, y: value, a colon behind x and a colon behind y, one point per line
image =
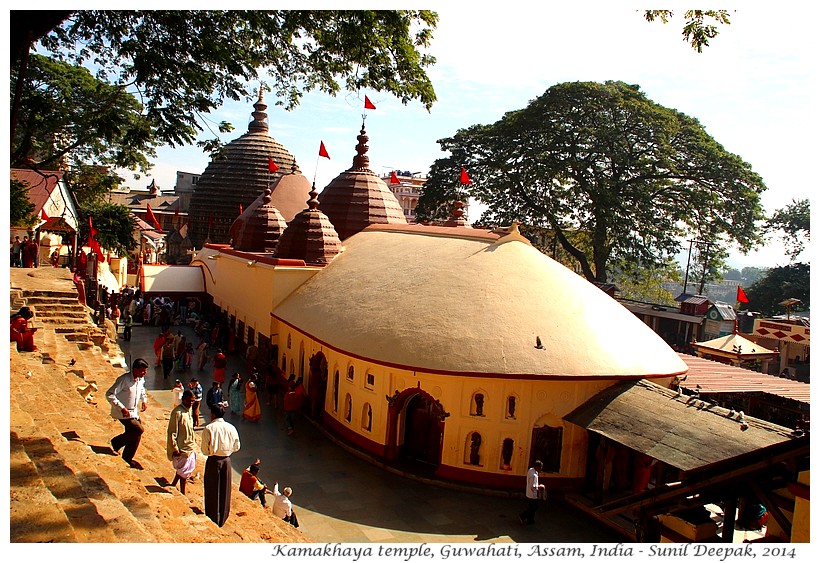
x: 406, y: 186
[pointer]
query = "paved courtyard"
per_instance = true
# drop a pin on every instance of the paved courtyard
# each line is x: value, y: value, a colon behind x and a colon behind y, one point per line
x: 340, y: 497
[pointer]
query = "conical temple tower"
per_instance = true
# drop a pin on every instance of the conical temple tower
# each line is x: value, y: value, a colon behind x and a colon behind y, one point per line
x: 357, y: 197
x: 236, y: 178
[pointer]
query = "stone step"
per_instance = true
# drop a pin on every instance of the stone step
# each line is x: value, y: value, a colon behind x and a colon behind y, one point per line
x: 42, y: 521
x: 49, y: 293
x: 36, y: 300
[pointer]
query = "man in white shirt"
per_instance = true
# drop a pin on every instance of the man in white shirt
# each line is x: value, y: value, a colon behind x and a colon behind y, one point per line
x: 125, y: 396
x: 282, y: 507
x: 219, y: 440
x: 534, y: 493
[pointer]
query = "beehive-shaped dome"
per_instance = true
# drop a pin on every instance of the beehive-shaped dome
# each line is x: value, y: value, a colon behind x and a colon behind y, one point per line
x: 235, y: 178
x: 357, y: 197
x: 310, y: 236
x: 259, y: 226
x: 480, y: 305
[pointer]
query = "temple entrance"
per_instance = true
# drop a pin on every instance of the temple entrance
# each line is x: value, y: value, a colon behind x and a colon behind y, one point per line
x: 317, y: 385
x: 422, y: 430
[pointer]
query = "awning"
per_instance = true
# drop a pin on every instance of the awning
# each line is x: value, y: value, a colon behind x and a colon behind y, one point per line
x: 681, y: 431
x: 164, y: 280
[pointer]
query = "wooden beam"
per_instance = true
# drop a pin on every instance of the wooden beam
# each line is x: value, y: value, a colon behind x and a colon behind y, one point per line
x: 772, y: 506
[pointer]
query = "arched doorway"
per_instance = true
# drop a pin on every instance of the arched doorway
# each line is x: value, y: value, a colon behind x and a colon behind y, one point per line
x: 317, y: 385
x: 422, y: 430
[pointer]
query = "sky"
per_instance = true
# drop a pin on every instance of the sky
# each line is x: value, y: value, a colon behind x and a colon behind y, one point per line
x: 752, y: 89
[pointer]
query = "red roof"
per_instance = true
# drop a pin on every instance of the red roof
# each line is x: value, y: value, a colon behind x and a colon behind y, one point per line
x: 41, y: 184
x: 715, y: 377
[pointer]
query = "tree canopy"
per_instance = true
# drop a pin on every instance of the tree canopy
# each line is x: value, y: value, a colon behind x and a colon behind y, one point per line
x: 777, y: 285
x: 699, y: 27
x: 793, y: 225
x: 182, y: 64
x: 618, y: 178
x: 68, y: 118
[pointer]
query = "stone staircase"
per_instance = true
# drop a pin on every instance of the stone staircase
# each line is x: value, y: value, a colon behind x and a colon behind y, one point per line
x: 66, y: 484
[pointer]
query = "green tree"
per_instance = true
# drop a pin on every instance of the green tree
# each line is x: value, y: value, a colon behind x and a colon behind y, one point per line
x: 699, y: 27
x: 182, y: 64
x: 114, y: 224
x: 69, y: 119
x: 20, y: 208
x: 634, y: 177
x: 793, y: 225
x: 777, y: 285
x: 646, y: 284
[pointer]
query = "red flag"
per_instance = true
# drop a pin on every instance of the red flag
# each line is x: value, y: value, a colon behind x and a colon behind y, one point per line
x: 368, y: 104
x: 43, y: 215
x: 393, y: 178
x: 464, y: 179
x: 272, y: 165
x: 151, y: 218
x: 741, y: 295
x: 323, y: 150
x: 91, y: 229
x: 240, y: 209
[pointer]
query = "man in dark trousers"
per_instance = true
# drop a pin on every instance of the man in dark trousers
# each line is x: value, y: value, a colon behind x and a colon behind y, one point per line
x: 534, y: 492
x: 219, y: 440
x: 125, y: 396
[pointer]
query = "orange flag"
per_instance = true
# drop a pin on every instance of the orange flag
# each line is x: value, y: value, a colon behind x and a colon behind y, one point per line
x: 323, y: 150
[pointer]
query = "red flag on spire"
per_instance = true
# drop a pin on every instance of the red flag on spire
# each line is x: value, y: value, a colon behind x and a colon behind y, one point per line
x: 464, y: 179
x: 741, y: 295
x: 393, y: 178
x: 368, y: 104
x: 272, y: 165
x: 151, y: 218
x: 43, y: 215
x: 323, y: 150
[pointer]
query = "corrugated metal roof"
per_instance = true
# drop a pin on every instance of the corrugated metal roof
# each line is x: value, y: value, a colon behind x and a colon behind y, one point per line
x: 681, y: 431
x: 727, y: 312
x: 715, y: 377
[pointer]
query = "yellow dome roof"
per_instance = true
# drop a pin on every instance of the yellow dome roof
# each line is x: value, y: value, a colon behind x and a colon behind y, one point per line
x: 428, y: 300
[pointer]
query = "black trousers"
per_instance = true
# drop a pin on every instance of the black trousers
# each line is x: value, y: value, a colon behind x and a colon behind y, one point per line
x: 130, y: 438
x: 217, y: 484
x: 528, y: 515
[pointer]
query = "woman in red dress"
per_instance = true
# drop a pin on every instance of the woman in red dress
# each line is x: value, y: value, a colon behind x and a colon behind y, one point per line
x: 20, y: 331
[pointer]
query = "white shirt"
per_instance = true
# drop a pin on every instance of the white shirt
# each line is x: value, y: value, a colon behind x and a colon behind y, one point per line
x: 126, y: 392
x: 282, y: 506
x: 220, y: 438
x: 532, y: 483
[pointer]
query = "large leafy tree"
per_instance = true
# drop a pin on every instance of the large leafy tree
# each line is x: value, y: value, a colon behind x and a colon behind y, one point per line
x: 20, y: 208
x: 778, y: 285
x: 182, y: 64
x: 69, y: 118
x: 634, y: 177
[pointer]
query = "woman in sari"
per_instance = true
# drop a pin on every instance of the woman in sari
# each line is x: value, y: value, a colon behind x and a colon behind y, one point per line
x: 20, y: 331
x: 252, y: 410
x: 235, y: 393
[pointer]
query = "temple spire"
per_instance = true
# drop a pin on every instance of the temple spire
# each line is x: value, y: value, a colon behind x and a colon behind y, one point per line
x: 361, y: 160
x: 259, y: 123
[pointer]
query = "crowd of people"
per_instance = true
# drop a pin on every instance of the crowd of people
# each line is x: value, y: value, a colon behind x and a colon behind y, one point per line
x: 25, y: 253
x: 218, y: 441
